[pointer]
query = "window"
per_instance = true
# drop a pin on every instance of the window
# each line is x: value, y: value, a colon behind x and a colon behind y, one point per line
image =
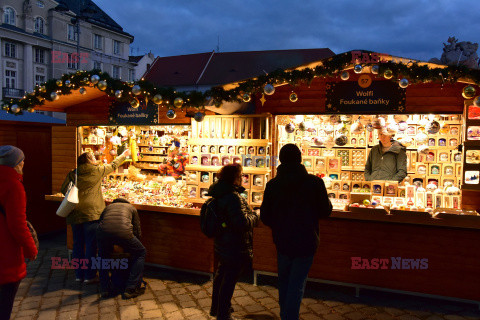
x: 40, y: 4
x: 131, y: 75
x: 39, y: 25
x: 72, y: 34
x: 116, y: 47
x: 10, y: 77
x: 39, y: 80
x: 72, y: 61
x: 97, y: 41
x: 39, y: 55
x: 9, y: 16
x: 10, y: 50
x: 97, y: 65
x: 116, y: 72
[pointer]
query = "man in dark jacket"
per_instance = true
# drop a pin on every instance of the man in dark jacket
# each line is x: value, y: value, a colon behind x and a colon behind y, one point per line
x: 233, y: 244
x: 387, y: 160
x: 120, y: 225
x: 293, y: 203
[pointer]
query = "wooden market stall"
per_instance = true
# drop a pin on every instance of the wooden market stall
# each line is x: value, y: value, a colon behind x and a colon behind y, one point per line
x: 447, y: 241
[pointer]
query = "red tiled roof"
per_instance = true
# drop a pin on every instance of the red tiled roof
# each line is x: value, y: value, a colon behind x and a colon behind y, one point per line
x: 228, y: 67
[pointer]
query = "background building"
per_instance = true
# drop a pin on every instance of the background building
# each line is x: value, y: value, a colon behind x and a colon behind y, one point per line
x: 44, y: 39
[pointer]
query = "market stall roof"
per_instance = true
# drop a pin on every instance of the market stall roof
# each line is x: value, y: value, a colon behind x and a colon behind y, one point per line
x: 219, y: 68
x: 73, y: 99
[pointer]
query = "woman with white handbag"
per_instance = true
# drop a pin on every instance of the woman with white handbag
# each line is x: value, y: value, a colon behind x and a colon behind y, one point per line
x: 84, y: 217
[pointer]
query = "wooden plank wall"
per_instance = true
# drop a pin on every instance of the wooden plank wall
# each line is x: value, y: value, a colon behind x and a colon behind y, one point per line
x: 453, y: 265
x: 420, y: 98
x: 64, y: 154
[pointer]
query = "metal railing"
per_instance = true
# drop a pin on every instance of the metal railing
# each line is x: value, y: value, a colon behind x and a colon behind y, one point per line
x: 13, y: 93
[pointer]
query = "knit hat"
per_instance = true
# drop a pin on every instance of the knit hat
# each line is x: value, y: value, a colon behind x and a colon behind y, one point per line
x: 10, y: 156
x: 290, y: 154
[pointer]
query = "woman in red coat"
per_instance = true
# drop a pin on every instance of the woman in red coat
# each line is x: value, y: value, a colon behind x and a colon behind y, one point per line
x: 15, y: 238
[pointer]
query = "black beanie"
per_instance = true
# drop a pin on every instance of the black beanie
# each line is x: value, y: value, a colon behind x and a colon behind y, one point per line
x: 290, y: 154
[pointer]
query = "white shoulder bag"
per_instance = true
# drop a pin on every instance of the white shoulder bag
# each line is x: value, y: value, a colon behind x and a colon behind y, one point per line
x: 70, y: 200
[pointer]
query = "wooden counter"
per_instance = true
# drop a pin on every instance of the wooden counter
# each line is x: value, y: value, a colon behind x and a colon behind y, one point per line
x: 453, y: 255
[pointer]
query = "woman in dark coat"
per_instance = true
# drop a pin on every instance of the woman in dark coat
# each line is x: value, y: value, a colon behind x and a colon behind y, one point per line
x: 233, y: 244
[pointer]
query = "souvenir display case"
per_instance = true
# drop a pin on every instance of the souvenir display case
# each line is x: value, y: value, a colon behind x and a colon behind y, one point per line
x: 221, y: 140
x: 153, y: 174
x: 336, y: 148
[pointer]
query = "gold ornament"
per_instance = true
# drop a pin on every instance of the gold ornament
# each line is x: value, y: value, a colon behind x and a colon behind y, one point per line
x: 43, y: 89
x: 134, y: 103
x: 31, y: 93
x: 178, y: 102
x: 54, y: 96
x: 388, y: 74
x: 358, y: 68
x: 468, y: 92
x: 31, y: 110
x: 293, y: 97
x: 403, y: 83
x: 157, y: 99
x: 82, y: 90
x: 59, y: 83
x: 269, y: 89
x: 375, y: 69
x: 171, y: 114
x: 476, y: 102
x: 118, y: 94
x: 68, y: 83
x: 136, y: 90
x: 102, y: 85
x: 246, y: 97
x: 15, y: 108
x: 345, y: 75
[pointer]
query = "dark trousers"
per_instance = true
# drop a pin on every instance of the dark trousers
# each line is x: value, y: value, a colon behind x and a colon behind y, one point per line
x: 292, y: 277
x: 136, y: 261
x: 85, y: 247
x: 7, y: 297
x: 226, y: 277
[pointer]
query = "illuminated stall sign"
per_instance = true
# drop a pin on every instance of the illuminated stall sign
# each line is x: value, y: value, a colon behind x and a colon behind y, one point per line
x: 364, y: 97
x: 125, y: 114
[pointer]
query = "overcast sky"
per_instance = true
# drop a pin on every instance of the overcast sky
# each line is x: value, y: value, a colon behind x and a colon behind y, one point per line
x: 409, y: 28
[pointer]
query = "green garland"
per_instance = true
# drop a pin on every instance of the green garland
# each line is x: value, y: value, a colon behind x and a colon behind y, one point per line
x: 412, y: 71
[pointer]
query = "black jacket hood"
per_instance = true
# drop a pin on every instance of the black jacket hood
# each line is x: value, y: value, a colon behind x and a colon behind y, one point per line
x: 221, y: 188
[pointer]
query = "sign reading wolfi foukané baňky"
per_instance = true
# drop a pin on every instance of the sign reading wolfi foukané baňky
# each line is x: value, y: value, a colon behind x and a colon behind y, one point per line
x: 364, y: 97
x: 125, y: 114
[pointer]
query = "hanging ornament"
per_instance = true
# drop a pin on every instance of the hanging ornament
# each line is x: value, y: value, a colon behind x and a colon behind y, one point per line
x: 476, y: 102
x: 178, y: 102
x: 82, y: 90
x: 134, y: 103
x: 171, y: 114
x: 246, y: 97
x: 54, y: 96
x: 157, y: 99
x: 102, y: 85
x: 269, y: 89
x: 388, y: 74
x: 136, y: 90
x: 375, y: 69
x: 301, y: 126
x: 118, y: 94
x: 94, y: 79
x: 433, y: 127
x: 358, y: 68
x: 403, y: 83
x: 15, y: 108
x: 290, y: 128
x: 369, y: 127
x: 59, y: 83
x: 42, y: 89
x: 468, y: 92
x: 345, y: 75
x: 31, y: 109
x: 68, y: 83
x: 199, y: 116
x: 293, y: 97
x: 341, y: 140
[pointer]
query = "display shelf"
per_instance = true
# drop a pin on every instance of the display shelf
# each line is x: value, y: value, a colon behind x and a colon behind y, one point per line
x: 190, y: 167
x: 234, y: 142
x: 155, y: 146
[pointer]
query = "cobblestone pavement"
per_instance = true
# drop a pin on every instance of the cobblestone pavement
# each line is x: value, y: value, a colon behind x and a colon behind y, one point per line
x: 53, y: 294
